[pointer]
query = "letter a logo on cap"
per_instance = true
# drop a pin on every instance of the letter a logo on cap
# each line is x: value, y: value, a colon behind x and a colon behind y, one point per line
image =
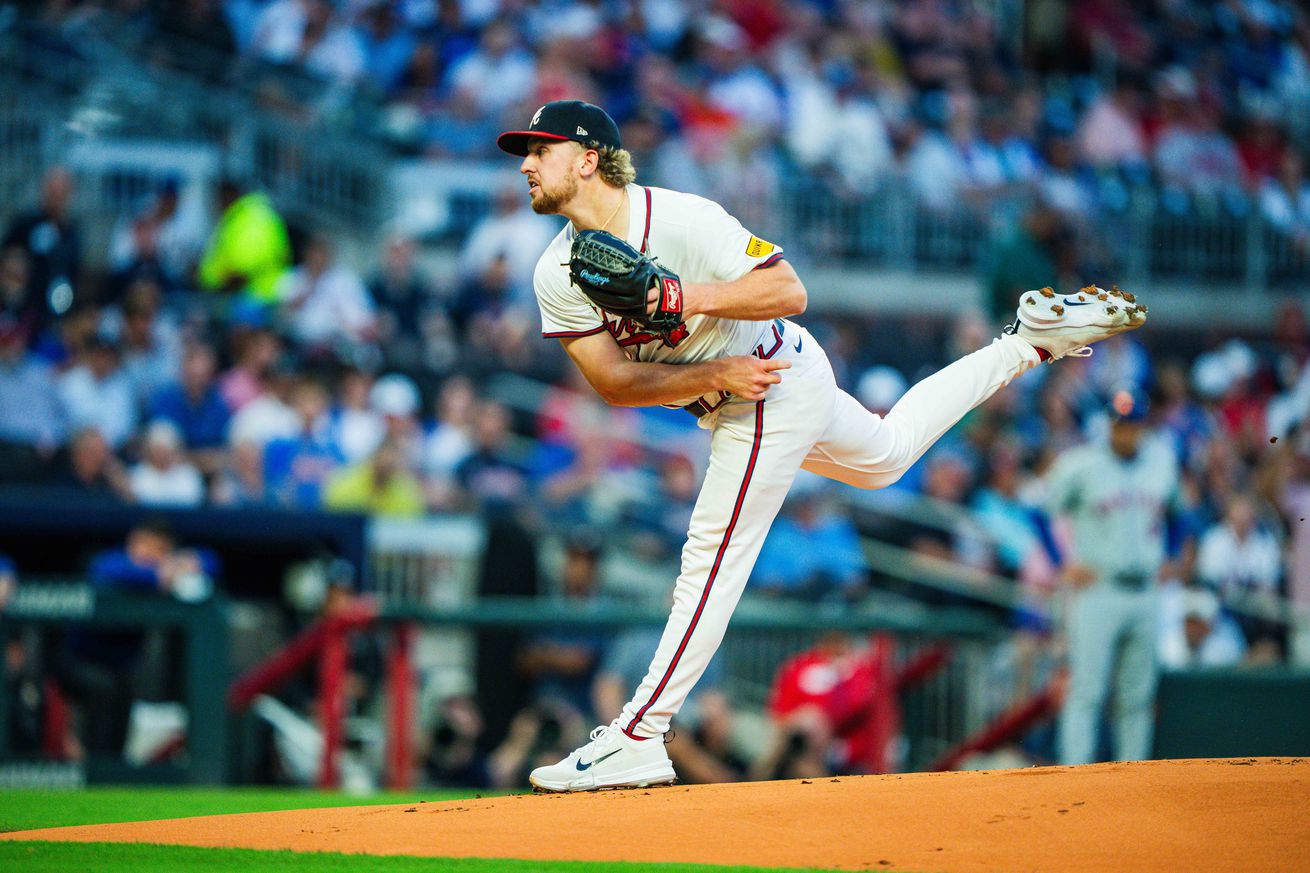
x: 536, y: 117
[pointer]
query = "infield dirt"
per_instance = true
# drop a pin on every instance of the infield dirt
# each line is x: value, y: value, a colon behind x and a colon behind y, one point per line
x: 1196, y: 815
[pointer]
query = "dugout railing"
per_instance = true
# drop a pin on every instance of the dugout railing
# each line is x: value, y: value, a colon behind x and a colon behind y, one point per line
x: 37, y: 616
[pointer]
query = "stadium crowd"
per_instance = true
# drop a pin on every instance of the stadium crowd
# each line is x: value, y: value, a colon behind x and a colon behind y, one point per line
x: 246, y: 361
x: 1078, y: 102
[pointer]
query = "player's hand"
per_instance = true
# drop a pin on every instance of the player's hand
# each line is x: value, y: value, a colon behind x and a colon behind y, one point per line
x: 1079, y: 575
x: 748, y: 377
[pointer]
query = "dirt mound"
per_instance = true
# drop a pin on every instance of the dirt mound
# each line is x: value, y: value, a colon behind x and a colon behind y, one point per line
x: 1228, y: 815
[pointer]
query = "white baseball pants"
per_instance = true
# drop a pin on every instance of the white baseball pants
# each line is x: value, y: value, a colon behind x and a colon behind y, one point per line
x: 756, y: 449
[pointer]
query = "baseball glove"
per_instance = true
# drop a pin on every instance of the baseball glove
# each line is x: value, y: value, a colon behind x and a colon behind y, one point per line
x: 617, y: 278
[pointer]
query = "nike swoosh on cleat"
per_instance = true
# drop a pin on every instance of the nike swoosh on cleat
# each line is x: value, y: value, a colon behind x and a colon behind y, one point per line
x: 1068, y: 302
x: 582, y: 766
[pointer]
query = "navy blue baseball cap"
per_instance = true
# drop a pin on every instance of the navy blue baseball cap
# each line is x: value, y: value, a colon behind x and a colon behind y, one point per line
x: 1128, y: 403
x: 564, y: 120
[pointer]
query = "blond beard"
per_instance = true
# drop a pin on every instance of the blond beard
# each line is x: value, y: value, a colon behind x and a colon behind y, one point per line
x: 551, y: 202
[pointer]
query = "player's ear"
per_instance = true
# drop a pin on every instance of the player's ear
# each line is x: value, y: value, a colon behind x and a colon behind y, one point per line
x: 588, y: 163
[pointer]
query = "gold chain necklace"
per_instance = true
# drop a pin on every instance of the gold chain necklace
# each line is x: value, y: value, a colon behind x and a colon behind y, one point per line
x: 622, y: 197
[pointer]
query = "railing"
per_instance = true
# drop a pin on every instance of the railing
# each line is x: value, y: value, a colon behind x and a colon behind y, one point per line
x: 78, y: 102
x: 204, y: 631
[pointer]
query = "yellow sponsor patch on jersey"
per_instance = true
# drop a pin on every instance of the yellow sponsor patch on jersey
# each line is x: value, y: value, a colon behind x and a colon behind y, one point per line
x: 758, y: 248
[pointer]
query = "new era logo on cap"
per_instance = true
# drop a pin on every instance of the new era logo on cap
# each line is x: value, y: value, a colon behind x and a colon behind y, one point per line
x: 564, y: 120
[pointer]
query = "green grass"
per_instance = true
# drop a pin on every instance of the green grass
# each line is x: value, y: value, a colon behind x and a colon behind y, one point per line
x: 134, y: 858
x: 22, y: 810
x: 30, y: 809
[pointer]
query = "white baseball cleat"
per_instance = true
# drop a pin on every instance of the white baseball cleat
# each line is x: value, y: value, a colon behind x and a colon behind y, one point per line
x: 1066, y: 324
x: 610, y: 760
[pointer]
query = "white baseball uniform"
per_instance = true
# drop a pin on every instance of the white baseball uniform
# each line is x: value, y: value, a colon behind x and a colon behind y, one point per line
x: 756, y: 448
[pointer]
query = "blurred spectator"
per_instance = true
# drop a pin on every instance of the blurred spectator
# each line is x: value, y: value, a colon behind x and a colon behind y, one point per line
x: 1242, y: 561
x: 256, y: 350
x: 297, y: 468
x: 240, y: 481
x: 823, y: 709
x: 563, y: 663
x: 395, y: 400
x: 269, y: 415
x: 327, y: 301
x: 1261, y: 148
x: 309, y: 34
x: 403, y: 295
x: 492, y: 475
x: 249, y: 250
x: 97, y: 667
x: 1196, y: 634
x: 32, y: 423
x: 1027, y: 259
x: 16, y: 299
x: 585, y: 485
x: 194, y: 405
x: 1064, y: 185
x: 541, y: 732
x: 381, y: 485
x: 511, y: 239
x: 1180, y: 416
x: 53, y: 244
x: 935, y: 169
x: 498, y: 74
x: 92, y: 473
x: 356, y: 426
x: 386, y: 42
x: 152, y: 345
x: 1285, y: 199
x: 1110, y: 134
x: 97, y: 393
x: 161, y: 241
x: 448, y: 440
x: 660, y: 525
x: 1010, y: 521
x: 832, y: 125
x: 452, y: 756
x: 163, y: 477
x: 1195, y: 155
x: 1118, y: 499
x: 707, y: 751
x: 811, y: 553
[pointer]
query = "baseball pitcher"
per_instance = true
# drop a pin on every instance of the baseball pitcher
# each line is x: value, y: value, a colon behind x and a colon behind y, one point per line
x: 661, y: 297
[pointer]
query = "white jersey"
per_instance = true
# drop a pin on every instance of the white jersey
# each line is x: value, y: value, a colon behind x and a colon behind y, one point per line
x: 695, y: 238
x: 756, y: 447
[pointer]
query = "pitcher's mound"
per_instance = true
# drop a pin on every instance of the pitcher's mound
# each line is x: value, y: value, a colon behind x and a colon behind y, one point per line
x: 1166, y: 816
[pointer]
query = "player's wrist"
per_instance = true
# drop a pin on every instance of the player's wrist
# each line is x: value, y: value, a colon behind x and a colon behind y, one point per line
x: 691, y: 298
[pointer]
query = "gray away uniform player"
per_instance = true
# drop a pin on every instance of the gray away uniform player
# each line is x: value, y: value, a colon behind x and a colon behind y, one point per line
x: 1117, y: 497
x: 758, y: 381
